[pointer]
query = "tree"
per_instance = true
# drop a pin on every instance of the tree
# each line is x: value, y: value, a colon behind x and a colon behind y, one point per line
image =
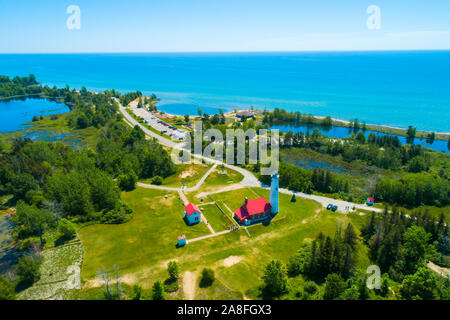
x: 66, y: 229
x: 72, y: 190
x: 430, y: 137
x: 137, y: 292
x: 7, y: 291
x: 334, y: 286
x: 30, y: 221
x: 21, y: 184
x: 127, y: 181
x: 208, y: 278
x: 350, y: 236
x: 158, y: 291
x: 419, y: 286
x: 28, y: 270
x: 173, y: 270
x: 82, y: 121
x: 275, y: 278
x: 186, y: 118
x: 293, y: 199
x: 415, y: 246
x: 410, y: 135
x: 299, y: 262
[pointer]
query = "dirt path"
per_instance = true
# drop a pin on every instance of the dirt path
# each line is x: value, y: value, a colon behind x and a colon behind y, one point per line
x: 445, y: 272
x: 189, y: 285
x: 208, y: 236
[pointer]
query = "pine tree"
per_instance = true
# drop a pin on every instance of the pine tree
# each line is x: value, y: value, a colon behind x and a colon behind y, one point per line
x: 350, y: 236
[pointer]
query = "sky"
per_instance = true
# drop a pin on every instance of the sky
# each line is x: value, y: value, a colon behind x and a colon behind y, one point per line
x: 225, y: 25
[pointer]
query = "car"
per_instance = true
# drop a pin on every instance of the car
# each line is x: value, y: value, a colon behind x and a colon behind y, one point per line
x: 334, y: 208
x: 329, y: 206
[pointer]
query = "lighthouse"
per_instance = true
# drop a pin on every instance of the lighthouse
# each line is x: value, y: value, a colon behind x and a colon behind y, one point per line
x: 274, y: 193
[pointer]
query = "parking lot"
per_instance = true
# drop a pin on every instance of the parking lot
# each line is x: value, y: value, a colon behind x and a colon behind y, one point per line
x: 163, y: 127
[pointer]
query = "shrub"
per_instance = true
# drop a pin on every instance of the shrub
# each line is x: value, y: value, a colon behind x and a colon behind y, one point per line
x: 310, y: 287
x: 207, y: 278
x: 173, y: 270
x: 120, y: 214
x: 7, y: 291
x: 28, y: 270
x: 66, y: 229
x: 137, y: 292
x: 157, y: 180
x: 158, y: 291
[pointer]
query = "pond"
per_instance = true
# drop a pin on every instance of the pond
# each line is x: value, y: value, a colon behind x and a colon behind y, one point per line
x: 15, y: 113
x: 342, y: 132
x: 313, y: 164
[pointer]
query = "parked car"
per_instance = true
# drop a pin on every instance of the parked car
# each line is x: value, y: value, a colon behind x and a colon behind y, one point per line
x: 329, y: 206
x: 334, y: 208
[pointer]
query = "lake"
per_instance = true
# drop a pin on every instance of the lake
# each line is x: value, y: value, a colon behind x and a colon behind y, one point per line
x: 342, y: 132
x: 397, y: 88
x: 15, y: 113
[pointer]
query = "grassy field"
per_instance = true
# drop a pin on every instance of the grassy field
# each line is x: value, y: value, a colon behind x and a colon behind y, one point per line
x: 216, y: 218
x: 189, y: 174
x: 142, y: 247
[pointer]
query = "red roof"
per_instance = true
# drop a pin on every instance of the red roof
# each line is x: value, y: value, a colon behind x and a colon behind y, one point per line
x: 371, y: 199
x: 254, y: 206
x: 191, y: 208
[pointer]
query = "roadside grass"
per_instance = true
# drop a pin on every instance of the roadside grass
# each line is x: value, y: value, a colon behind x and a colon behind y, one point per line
x: 189, y: 174
x: 142, y: 247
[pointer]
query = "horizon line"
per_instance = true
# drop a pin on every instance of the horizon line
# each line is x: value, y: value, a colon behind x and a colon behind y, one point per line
x: 255, y: 51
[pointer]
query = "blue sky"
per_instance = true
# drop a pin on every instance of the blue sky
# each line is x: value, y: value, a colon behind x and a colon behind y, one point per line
x: 225, y: 25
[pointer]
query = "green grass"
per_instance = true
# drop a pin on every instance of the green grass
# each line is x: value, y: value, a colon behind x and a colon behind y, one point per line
x: 149, y: 237
x: 216, y: 218
x: 142, y: 247
x: 189, y: 174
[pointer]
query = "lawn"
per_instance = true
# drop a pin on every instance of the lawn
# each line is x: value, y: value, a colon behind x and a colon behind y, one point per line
x: 216, y: 218
x: 189, y: 174
x: 142, y: 247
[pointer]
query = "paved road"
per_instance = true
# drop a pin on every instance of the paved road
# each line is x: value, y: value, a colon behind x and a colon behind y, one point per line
x: 249, y: 178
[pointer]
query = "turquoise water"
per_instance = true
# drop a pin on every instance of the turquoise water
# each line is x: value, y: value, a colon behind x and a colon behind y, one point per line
x: 15, y: 113
x: 391, y: 88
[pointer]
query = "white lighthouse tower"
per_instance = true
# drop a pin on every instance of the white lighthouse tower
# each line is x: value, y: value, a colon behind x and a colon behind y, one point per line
x: 274, y: 193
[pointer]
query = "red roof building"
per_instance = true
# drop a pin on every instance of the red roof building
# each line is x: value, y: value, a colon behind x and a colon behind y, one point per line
x: 192, y: 214
x: 253, y: 210
x: 191, y: 208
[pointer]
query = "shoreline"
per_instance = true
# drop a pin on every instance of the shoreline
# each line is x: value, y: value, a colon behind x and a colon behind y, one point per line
x: 420, y: 134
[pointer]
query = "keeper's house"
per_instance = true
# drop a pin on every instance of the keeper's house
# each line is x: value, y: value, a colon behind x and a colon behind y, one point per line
x: 253, y: 211
x: 192, y: 214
